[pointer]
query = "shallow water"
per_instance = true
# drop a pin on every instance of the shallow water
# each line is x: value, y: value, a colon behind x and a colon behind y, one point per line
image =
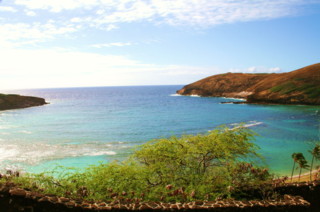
x: 82, y: 126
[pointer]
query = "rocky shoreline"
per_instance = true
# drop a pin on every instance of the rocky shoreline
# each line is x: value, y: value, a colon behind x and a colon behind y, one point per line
x: 14, y: 101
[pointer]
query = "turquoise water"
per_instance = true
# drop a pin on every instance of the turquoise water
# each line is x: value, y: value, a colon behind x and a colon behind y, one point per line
x: 82, y: 126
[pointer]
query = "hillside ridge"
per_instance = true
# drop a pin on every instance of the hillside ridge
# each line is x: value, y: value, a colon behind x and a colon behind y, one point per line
x: 301, y: 86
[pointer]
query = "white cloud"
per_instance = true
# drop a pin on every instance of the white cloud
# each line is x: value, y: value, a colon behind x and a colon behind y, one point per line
x: 65, y: 68
x: 109, y: 14
x: 52, y: 68
x: 30, y: 13
x: 7, y: 9
x: 178, y: 12
x: 76, y: 20
x: 275, y: 69
x: 252, y: 69
x: 256, y: 69
x: 111, y: 27
x: 57, y: 5
x: 115, y: 44
x: 34, y: 32
x: 55, y: 68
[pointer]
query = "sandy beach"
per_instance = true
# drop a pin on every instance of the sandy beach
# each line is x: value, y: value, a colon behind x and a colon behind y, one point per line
x: 304, y: 177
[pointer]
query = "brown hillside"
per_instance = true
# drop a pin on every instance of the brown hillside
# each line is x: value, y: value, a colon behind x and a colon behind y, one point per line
x: 224, y: 85
x: 301, y: 86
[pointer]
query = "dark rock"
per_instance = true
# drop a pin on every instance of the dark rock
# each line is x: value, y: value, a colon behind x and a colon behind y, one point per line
x: 63, y: 199
x: 18, y: 192
x: 144, y: 207
x: 198, y: 203
x: 13, y: 101
x: 43, y: 199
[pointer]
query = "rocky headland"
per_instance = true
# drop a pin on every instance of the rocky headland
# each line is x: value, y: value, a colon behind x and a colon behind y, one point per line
x: 301, y: 86
x: 14, y: 101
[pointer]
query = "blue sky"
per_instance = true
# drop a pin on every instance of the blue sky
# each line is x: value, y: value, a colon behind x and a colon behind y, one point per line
x: 72, y: 43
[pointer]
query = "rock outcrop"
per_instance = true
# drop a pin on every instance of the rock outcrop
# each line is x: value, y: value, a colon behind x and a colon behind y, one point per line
x: 13, y: 101
x: 13, y: 198
x: 301, y: 86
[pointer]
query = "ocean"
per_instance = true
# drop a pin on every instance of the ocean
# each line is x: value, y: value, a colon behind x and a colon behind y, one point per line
x: 85, y: 126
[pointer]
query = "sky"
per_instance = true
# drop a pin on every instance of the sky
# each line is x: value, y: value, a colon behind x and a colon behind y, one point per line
x: 77, y: 43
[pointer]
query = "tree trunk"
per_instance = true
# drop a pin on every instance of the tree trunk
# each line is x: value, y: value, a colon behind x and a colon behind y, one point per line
x: 311, y: 168
x: 300, y: 174
x: 294, y: 163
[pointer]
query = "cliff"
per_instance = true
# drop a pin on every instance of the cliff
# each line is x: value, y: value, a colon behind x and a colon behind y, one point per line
x: 301, y: 86
x: 13, y: 101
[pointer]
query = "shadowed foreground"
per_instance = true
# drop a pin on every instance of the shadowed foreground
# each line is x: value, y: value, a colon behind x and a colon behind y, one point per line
x: 17, y: 199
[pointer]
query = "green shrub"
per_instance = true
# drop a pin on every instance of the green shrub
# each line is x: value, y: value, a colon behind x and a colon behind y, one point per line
x: 284, y: 88
x: 312, y: 90
x: 203, y: 166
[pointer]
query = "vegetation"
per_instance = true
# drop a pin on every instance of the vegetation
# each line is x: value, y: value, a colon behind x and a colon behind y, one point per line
x: 300, y: 160
x: 285, y: 88
x: 214, y: 165
x: 4, y: 95
x: 303, y: 164
x: 315, y: 152
x: 311, y: 90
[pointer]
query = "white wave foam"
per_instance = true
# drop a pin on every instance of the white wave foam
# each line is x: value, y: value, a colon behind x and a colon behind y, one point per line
x: 25, y: 132
x: 35, y: 153
x: 101, y: 153
x: 5, y: 127
x: 247, y: 124
x: 7, y: 153
x: 11, y: 113
x: 241, y: 99
x: 253, y: 124
x: 175, y: 94
x: 4, y: 133
x: 192, y: 95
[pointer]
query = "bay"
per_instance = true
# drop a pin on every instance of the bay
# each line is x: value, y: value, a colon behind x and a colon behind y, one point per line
x: 83, y: 126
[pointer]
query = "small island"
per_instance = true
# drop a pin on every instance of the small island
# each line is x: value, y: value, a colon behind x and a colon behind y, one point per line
x: 14, y: 101
x: 301, y: 86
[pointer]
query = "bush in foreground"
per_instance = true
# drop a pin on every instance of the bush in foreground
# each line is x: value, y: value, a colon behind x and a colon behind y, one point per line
x: 205, y: 166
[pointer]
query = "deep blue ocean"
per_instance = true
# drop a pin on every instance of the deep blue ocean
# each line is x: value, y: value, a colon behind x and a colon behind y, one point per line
x: 83, y: 126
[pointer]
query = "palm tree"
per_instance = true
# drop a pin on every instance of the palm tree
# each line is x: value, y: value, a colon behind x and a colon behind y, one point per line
x: 303, y: 164
x: 315, y: 152
x: 296, y: 157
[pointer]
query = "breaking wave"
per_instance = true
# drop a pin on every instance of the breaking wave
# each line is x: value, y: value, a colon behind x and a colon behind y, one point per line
x: 33, y: 154
x: 240, y: 99
x: 175, y: 94
x: 246, y: 124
